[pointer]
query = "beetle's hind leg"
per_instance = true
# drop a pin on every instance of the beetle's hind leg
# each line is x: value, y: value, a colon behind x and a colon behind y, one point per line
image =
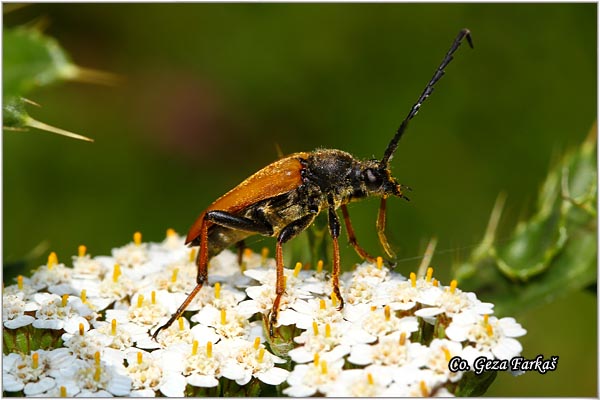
x: 334, y: 229
x: 287, y: 233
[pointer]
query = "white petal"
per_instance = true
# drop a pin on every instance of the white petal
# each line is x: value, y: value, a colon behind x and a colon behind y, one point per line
x: 11, y: 384
x: 300, y: 391
x: 49, y: 324
x: 507, y: 348
x: 119, y: 385
x: 428, y: 312
x: 202, y: 380
x: 19, y: 322
x: 41, y: 386
x: 273, y: 376
x: 173, y: 386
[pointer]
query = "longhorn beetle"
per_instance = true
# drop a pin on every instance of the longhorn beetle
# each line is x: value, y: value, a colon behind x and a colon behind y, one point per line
x: 283, y: 199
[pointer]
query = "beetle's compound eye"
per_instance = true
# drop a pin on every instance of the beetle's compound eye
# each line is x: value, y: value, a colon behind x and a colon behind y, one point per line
x: 371, y: 178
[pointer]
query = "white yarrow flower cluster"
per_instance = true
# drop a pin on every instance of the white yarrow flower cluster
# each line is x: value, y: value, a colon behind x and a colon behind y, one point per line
x: 105, y: 309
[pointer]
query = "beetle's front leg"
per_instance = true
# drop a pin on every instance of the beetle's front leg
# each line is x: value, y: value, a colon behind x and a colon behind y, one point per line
x: 287, y: 233
x: 381, y: 216
x: 334, y: 229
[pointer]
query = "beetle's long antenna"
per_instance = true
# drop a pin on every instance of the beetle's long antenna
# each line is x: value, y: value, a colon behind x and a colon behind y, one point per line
x: 389, y: 152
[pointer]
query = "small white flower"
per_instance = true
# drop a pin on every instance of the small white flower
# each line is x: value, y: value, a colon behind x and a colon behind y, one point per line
x: 369, y: 382
x: 439, y: 354
x: 96, y: 378
x: 131, y: 255
x: 49, y: 275
x: 315, y: 378
x: 56, y: 313
x: 228, y: 323
x: 394, y: 349
x: 33, y: 373
x: 253, y: 360
x: 144, y: 370
x: 380, y: 322
x: 450, y: 301
x: 88, y: 268
x: 13, y: 311
x: 325, y: 339
x: 488, y: 335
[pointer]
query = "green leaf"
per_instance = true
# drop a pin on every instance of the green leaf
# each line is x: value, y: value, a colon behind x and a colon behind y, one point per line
x: 31, y: 60
x: 550, y: 254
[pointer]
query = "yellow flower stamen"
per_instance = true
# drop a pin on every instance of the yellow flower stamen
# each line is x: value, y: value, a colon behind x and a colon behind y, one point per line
x: 98, y: 374
x: 192, y: 255
x: 453, y: 285
x: 488, y: 327
x: 402, y: 339
x: 195, y: 347
x: 63, y: 391
x: 171, y: 232
x: 379, y: 262
x: 413, y: 279
x: 116, y: 273
x: 387, y: 312
x: 137, y: 238
x: 429, y: 274
x: 315, y: 328
x: 81, y: 250
x: 113, y: 327
x: 83, y: 295
x: 153, y: 297
x: 81, y: 329
x: 20, y: 282
x: 297, y: 269
x: 320, y: 266
x: 322, y: 304
x: 97, y: 358
x: 140, y: 300
x: 247, y: 252
x: 324, y: 367
x: 181, y: 324
x: 174, y: 275
x: 209, y: 349
x: 373, y: 308
x: 435, y: 282
x: 370, y: 379
x: 316, y: 359
x: 261, y: 355
x: 327, y: 331
x: 65, y: 299
x: 52, y: 260
x: 223, y: 317
x: 264, y: 253
x: 424, y: 390
x: 334, y: 299
x: 35, y: 360
x: 446, y: 353
x: 140, y: 357
x: 256, y: 343
x: 217, y: 290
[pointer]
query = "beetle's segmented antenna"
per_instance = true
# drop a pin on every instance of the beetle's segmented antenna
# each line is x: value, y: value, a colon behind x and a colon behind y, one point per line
x: 389, y: 152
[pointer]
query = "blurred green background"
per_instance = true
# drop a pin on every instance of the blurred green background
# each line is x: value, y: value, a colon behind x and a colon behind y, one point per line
x: 209, y: 90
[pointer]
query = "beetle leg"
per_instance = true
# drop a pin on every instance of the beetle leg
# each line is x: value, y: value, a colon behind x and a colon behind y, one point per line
x: 201, y: 278
x: 241, y: 246
x: 287, y: 233
x: 231, y: 221
x: 334, y: 229
x: 352, y: 237
x: 381, y: 230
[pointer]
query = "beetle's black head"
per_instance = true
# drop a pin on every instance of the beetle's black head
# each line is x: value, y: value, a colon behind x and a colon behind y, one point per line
x: 375, y: 179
